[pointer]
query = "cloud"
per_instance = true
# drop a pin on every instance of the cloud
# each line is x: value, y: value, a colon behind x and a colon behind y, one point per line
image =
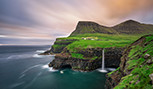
x: 123, y: 8
x: 49, y: 19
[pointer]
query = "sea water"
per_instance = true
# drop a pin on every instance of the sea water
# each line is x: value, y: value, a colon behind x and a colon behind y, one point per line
x: 22, y: 68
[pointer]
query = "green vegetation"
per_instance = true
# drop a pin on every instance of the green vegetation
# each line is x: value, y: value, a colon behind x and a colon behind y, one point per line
x: 109, y: 74
x: 80, y: 56
x: 77, y: 55
x: 82, y: 41
x: 102, y: 40
x: 141, y: 69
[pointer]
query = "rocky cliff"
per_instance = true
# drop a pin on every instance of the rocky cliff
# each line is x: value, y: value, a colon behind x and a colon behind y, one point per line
x: 136, y: 67
x: 64, y: 59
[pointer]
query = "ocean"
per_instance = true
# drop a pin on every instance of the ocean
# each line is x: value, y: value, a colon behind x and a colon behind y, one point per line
x: 22, y: 68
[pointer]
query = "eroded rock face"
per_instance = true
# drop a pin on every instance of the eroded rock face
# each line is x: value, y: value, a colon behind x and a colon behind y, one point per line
x: 76, y: 64
x: 112, y: 59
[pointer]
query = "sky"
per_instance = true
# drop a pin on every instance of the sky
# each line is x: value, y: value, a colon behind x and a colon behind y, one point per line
x: 40, y: 22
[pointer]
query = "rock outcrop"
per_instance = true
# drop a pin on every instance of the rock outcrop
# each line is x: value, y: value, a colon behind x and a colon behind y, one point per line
x: 64, y: 59
x: 136, y: 67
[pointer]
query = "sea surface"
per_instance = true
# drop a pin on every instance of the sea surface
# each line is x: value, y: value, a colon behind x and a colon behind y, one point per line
x: 22, y: 68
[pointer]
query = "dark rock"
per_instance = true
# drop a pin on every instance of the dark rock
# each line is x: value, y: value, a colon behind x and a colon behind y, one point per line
x: 76, y: 64
x: 48, y: 52
x: 151, y: 77
x: 112, y: 59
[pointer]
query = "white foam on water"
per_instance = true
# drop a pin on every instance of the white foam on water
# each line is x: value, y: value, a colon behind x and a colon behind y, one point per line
x: 45, y: 66
x: 103, y: 71
x: 111, y: 69
x: 61, y: 72
x: 40, y: 51
x: 37, y: 56
x: 50, y: 69
x: 29, y: 68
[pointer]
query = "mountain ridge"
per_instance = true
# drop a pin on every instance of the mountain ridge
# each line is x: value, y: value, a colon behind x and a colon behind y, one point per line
x: 126, y: 27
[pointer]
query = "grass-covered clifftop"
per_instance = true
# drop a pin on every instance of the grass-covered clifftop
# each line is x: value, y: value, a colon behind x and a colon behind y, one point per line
x: 77, y: 43
x: 136, y: 68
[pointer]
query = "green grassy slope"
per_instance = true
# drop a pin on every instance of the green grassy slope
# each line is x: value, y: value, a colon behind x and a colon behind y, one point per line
x: 95, y: 40
x: 140, y: 67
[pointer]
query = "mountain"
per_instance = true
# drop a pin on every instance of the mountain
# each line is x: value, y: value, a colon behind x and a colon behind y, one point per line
x: 91, y: 27
x: 127, y: 27
x: 133, y: 27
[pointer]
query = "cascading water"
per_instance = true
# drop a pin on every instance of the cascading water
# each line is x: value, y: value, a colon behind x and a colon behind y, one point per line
x: 103, y: 62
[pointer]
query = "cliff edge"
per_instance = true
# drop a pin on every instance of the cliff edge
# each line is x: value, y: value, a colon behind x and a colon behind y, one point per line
x: 136, y: 67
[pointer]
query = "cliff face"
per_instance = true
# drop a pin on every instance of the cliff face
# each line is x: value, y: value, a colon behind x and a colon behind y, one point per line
x: 64, y: 59
x: 136, y: 67
x: 60, y: 44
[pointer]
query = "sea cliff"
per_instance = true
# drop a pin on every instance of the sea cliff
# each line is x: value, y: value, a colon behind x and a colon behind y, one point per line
x: 136, y: 67
x: 82, y: 49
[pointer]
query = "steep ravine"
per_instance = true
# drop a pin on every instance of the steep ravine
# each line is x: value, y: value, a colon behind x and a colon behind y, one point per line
x: 136, y: 67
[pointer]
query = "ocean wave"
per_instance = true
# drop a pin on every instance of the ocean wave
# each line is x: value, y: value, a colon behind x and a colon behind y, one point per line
x: 40, y: 51
x: 18, y: 56
x: 37, y: 56
x: 50, y: 69
x: 30, y: 68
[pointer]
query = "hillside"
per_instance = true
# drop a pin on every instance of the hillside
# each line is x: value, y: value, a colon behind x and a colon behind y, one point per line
x: 127, y: 27
x: 136, y: 67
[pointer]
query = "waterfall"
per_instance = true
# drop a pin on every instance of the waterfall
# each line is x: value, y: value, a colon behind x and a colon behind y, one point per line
x: 103, y: 62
